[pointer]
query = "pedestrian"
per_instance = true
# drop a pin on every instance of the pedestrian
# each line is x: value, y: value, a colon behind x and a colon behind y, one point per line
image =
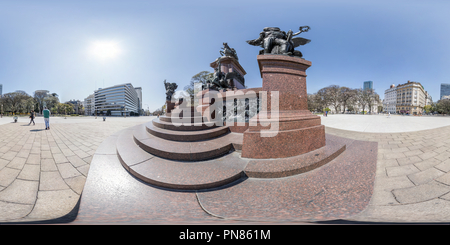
x: 32, y: 118
x: 46, y: 118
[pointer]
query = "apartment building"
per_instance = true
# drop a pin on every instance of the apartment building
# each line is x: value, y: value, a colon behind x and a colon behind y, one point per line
x: 411, y: 98
x: 390, y: 99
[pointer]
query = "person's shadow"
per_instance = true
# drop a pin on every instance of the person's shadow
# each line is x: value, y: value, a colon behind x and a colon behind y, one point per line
x: 36, y: 130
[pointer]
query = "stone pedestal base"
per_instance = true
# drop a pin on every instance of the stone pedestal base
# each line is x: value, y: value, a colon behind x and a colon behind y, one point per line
x: 290, y: 134
x: 289, y: 128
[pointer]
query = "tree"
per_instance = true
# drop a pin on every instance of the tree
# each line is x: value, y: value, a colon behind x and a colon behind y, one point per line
x: 443, y: 106
x: 332, y: 95
x: 51, y: 100
x: 15, y: 101
x: 371, y: 98
x: 39, y: 96
x: 190, y: 89
x: 346, y: 95
x: 362, y: 97
x: 427, y: 109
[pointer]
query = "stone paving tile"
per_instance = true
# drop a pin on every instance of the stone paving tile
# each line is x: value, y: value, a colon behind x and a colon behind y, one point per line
x: 48, y: 165
x: 46, y: 154
x: 30, y: 172
x: 10, y: 155
x: 408, y: 160
x: 34, y: 158
x: 424, y: 165
x: 17, y: 163
x: 425, y: 176
x: 76, y: 183
x: 8, y: 175
x: 76, y: 161
x: 20, y: 191
x: 421, y: 193
x: 444, y: 179
x: 401, y: 170
x: 67, y: 170
x: 51, y: 181
x: 3, y: 163
x: 60, y: 158
x: 444, y: 166
x: 53, y: 204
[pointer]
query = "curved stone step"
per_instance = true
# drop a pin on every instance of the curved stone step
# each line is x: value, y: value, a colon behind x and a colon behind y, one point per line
x: 181, y: 127
x: 169, y: 119
x: 175, y: 174
x: 283, y: 167
x: 186, y: 151
x: 186, y: 136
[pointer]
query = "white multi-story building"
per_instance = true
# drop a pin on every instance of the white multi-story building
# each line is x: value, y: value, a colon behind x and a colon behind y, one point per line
x: 120, y: 100
x: 390, y: 99
x: 89, y: 105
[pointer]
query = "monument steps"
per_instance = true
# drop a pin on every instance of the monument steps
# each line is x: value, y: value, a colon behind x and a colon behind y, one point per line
x: 197, y: 118
x: 175, y: 174
x: 180, y: 127
x: 186, y: 151
x: 187, y: 136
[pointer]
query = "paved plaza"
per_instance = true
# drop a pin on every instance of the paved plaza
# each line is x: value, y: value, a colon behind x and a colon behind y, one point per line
x: 43, y: 172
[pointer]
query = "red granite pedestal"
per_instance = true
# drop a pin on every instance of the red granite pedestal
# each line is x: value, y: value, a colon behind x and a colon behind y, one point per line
x: 291, y: 128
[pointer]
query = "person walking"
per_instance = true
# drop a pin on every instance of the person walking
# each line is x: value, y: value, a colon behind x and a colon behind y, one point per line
x: 32, y: 118
x: 46, y: 118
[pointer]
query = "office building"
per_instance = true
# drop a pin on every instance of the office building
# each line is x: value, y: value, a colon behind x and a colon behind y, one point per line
x: 367, y: 85
x: 445, y: 90
x: 120, y: 100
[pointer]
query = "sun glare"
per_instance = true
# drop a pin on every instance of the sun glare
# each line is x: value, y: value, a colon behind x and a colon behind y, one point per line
x: 105, y: 49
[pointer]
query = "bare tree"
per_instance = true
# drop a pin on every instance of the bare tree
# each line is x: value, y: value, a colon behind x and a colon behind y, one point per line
x: 347, y: 95
x: 39, y: 96
x: 333, y: 96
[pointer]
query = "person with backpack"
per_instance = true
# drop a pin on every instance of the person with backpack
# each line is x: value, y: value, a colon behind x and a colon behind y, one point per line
x: 46, y: 118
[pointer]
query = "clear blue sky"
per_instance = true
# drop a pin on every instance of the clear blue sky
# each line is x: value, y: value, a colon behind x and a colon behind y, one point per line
x: 45, y: 44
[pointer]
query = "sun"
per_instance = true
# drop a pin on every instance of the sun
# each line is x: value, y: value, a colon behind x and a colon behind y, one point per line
x: 105, y: 49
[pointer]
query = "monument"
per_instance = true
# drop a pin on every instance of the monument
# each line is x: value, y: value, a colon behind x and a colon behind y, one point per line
x: 283, y: 70
x: 241, y: 168
x: 170, y: 90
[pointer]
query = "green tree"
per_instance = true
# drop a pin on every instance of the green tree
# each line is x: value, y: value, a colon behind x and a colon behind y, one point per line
x: 51, y: 100
x: 427, y: 108
x: 15, y: 102
x: 190, y: 90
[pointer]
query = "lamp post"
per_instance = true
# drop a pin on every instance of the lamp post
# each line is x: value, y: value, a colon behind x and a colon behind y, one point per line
x: 2, y: 112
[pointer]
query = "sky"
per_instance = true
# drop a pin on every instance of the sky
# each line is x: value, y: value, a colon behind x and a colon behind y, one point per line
x: 48, y: 44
